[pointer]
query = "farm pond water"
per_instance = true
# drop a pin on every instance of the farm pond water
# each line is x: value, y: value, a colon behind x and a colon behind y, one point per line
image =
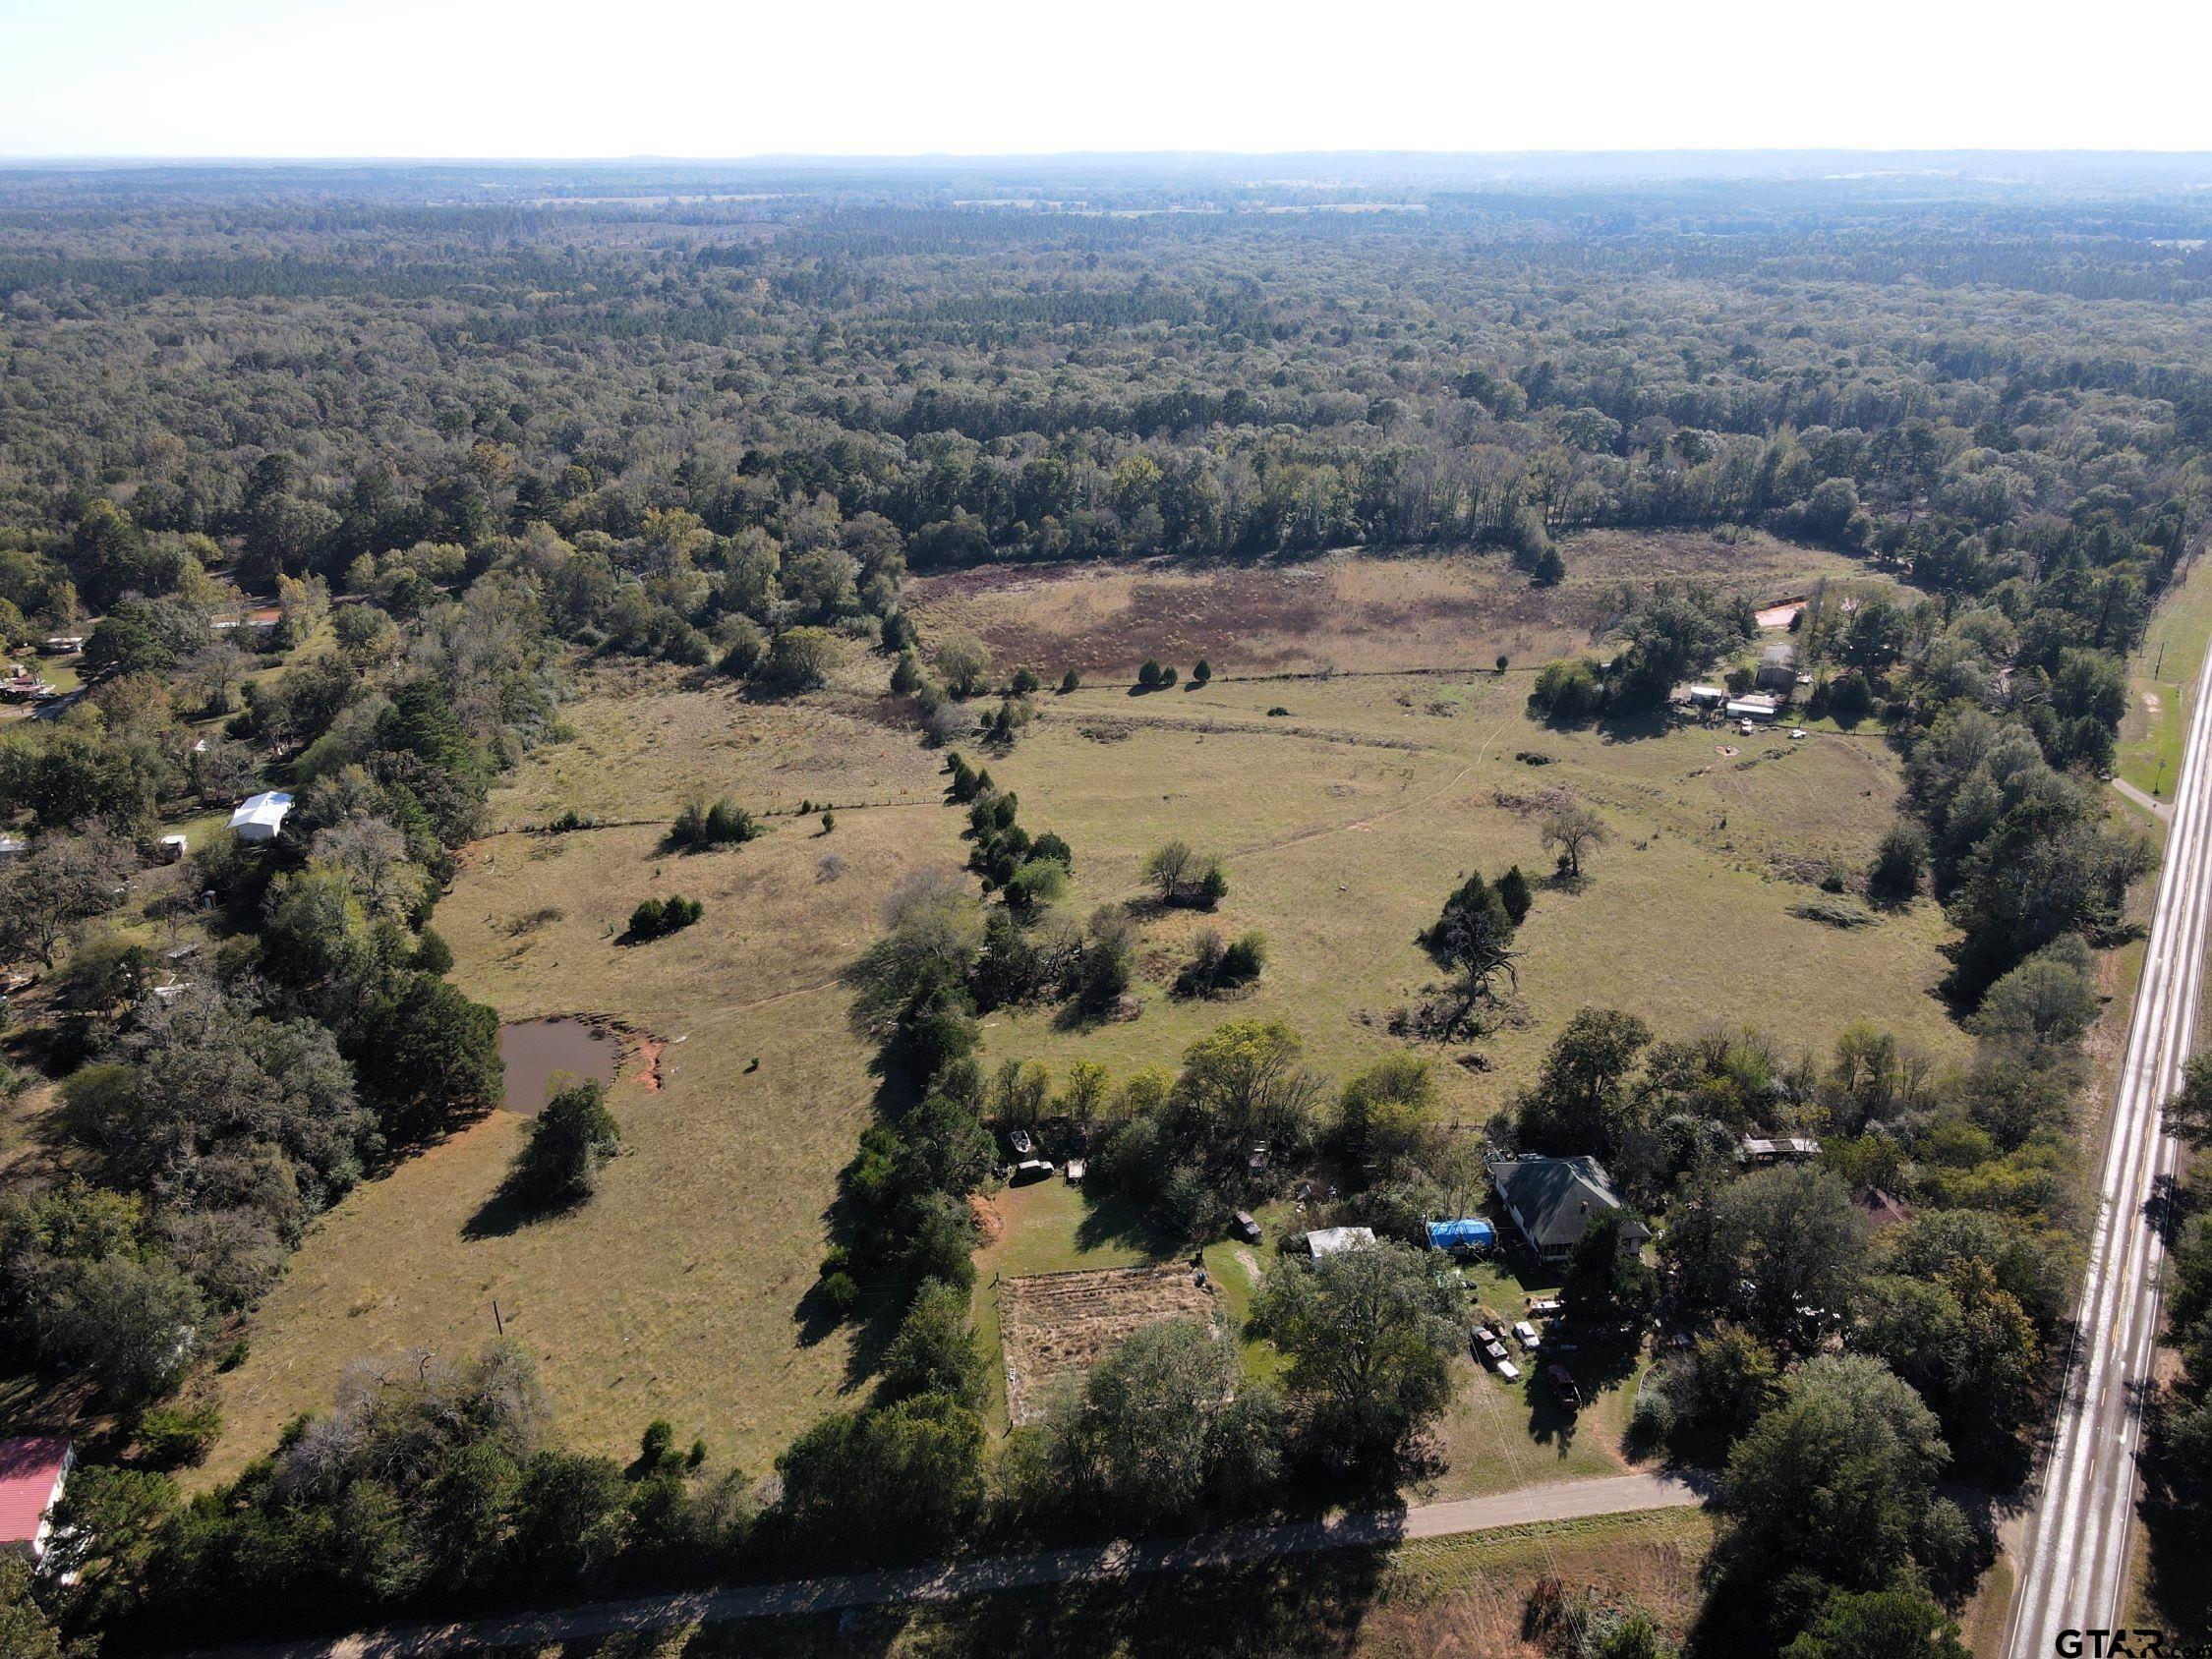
x: 539, y: 1050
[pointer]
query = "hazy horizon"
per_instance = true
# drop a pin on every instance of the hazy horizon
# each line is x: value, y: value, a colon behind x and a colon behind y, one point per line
x: 409, y: 80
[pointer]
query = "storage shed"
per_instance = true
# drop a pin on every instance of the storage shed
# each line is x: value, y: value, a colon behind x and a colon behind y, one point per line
x: 260, y: 816
x: 1333, y: 1241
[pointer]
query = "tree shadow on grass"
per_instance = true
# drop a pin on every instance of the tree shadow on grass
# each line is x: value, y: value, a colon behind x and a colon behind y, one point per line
x: 1637, y: 727
x: 1301, y: 1606
x: 874, y: 1317
x: 1078, y: 1016
x: 1118, y: 1221
x: 2176, y: 1582
x: 1554, y: 1417
x: 510, y: 1209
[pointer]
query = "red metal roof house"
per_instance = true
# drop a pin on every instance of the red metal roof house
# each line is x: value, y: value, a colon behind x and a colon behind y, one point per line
x: 33, y: 1471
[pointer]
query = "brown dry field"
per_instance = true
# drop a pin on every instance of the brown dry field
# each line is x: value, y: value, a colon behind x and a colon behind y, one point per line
x: 1355, y: 612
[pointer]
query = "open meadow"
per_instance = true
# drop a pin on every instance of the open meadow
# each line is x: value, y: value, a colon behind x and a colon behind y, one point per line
x: 1345, y: 807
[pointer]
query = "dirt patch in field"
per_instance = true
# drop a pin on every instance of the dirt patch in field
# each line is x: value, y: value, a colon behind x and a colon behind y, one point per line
x: 989, y: 1224
x: 1273, y: 616
x: 1054, y: 1324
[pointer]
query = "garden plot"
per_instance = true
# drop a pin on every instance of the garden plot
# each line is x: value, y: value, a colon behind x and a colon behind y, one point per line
x: 1057, y: 1324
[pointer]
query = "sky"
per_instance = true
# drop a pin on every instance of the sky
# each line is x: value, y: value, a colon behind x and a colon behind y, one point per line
x: 566, y: 78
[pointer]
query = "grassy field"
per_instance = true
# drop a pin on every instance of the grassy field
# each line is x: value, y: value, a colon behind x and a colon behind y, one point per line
x: 679, y: 1292
x: 2163, y: 684
x: 1461, y: 1597
x: 1344, y: 825
x: 676, y: 1292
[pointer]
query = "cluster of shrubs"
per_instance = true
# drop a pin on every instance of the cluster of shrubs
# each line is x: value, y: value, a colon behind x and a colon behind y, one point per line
x: 1187, y: 878
x: 1473, y: 937
x: 1512, y: 891
x: 1031, y: 873
x: 657, y: 918
x: 564, y: 1148
x: 1005, y: 722
x: 723, y: 824
x: 1153, y: 677
x: 966, y: 781
x: 1217, y: 966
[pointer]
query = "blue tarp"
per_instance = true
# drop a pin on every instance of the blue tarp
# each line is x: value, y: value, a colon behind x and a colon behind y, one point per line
x: 1469, y: 1232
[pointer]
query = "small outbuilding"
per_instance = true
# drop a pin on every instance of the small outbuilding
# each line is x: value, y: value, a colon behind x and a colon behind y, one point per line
x: 258, y: 818
x: 173, y: 848
x: 1706, y: 696
x: 34, y: 1469
x: 13, y: 847
x: 1335, y: 1240
x: 1778, y: 668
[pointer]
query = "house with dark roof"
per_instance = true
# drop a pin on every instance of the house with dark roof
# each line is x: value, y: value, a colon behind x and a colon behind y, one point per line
x: 1552, y: 1199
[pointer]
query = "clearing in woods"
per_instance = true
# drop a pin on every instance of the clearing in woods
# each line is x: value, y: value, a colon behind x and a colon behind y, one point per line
x: 682, y: 1289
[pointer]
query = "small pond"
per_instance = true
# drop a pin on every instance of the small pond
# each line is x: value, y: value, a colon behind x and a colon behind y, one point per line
x: 538, y: 1050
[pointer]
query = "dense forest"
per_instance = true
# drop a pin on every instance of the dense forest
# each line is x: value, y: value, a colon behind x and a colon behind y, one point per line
x: 338, y: 471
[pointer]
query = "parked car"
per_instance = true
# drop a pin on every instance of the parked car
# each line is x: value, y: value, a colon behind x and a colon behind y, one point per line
x: 1247, y: 1227
x: 1526, y: 1334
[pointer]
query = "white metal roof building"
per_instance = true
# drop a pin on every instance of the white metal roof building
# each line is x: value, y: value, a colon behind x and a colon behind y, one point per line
x: 260, y: 816
x: 1329, y: 1241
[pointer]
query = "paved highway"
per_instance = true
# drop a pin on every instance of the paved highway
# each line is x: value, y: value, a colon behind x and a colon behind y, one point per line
x: 2074, y: 1571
